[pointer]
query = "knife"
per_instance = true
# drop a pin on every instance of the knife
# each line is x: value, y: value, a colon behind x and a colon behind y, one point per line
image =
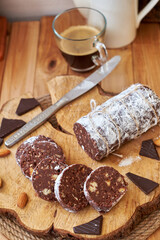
x: 77, y: 91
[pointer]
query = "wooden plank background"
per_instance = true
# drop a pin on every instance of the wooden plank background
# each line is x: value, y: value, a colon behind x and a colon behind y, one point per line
x: 21, y: 60
x: 31, y: 59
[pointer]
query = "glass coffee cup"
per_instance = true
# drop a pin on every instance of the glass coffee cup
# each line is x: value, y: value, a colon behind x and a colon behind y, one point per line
x: 79, y: 34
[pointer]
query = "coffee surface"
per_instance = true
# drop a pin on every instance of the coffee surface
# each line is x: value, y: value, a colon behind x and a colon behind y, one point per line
x: 84, y: 45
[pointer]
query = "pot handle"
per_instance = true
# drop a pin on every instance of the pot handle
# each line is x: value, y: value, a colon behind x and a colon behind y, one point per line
x: 146, y: 10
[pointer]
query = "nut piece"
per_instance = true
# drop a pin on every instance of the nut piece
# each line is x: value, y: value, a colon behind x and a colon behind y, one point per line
x: 46, y: 191
x: 22, y: 200
x: 108, y: 182
x: 54, y: 176
x: 30, y: 170
x: 1, y: 182
x: 93, y: 186
x: 4, y: 152
x: 157, y: 142
x: 121, y: 190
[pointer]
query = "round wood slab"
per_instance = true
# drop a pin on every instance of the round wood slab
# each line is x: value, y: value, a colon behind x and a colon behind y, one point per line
x: 39, y: 215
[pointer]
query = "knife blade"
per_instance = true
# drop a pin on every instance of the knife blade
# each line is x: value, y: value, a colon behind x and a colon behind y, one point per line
x: 83, y: 87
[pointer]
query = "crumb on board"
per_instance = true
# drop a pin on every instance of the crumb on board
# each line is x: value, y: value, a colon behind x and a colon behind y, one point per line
x: 129, y: 160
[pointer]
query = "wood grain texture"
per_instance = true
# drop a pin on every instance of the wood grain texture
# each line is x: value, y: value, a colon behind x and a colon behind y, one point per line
x: 122, y: 76
x: 50, y: 62
x: 2, y: 64
x: 2, y: 237
x: 146, y: 57
x: 134, y: 198
x: 155, y: 235
x: 36, y: 208
x: 142, y: 58
x: 21, y: 60
x: 74, y: 110
x: 39, y: 216
x: 3, y: 35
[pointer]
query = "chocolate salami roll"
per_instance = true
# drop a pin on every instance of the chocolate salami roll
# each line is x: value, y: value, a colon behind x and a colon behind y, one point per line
x: 69, y: 187
x: 118, y: 120
x: 36, y: 152
x: 104, y: 188
x: 44, y: 176
x: 28, y: 142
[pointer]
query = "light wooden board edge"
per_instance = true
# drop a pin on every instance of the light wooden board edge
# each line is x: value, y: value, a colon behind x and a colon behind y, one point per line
x: 137, y: 216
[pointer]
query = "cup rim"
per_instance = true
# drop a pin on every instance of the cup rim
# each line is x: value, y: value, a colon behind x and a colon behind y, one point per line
x: 95, y: 36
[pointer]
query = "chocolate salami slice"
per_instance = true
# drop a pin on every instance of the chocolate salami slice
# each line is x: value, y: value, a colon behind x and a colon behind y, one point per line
x: 118, y: 120
x: 36, y: 152
x: 69, y: 187
x: 104, y: 188
x: 30, y: 141
x: 44, y: 176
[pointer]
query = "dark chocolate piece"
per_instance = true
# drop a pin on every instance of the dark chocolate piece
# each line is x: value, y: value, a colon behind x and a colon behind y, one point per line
x: 93, y: 227
x: 145, y: 184
x: 104, y: 188
x: 25, y: 105
x: 10, y: 125
x: 36, y: 152
x: 44, y: 176
x: 1, y: 141
x: 148, y: 149
x: 69, y: 187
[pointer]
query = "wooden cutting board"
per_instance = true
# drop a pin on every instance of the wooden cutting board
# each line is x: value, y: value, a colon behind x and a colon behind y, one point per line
x: 39, y: 215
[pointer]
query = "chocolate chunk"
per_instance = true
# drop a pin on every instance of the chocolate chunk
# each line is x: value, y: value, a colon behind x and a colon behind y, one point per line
x: 1, y: 141
x: 145, y: 184
x: 93, y: 227
x: 10, y: 125
x: 104, y: 188
x: 148, y: 149
x: 25, y: 105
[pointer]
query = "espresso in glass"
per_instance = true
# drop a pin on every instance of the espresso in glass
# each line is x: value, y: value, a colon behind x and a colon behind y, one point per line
x: 79, y: 34
x: 79, y: 53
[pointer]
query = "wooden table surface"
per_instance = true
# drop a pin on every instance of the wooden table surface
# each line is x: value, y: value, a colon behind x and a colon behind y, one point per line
x: 32, y: 58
